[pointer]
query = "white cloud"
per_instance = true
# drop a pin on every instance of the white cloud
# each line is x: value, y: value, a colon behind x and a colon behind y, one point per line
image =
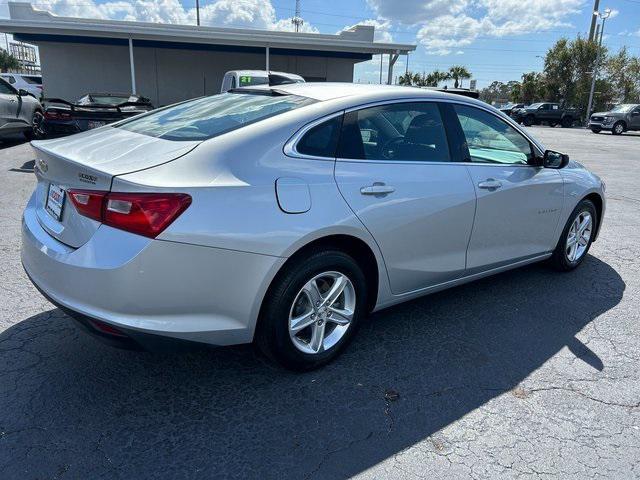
x: 228, y: 13
x: 447, y: 25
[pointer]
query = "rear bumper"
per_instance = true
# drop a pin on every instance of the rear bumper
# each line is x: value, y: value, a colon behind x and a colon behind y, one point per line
x: 151, y: 287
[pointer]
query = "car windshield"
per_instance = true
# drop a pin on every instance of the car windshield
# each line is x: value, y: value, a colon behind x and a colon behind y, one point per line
x: 624, y: 108
x: 207, y: 117
x: 32, y: 79
x: 104, y: 99
x: 249, y: 80
x: 535, y: 105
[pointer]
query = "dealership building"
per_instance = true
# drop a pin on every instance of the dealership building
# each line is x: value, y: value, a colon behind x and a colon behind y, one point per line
x: 169, y: 63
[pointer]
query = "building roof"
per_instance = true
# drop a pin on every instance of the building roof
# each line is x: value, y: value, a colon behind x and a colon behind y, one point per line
x: 33, y: 24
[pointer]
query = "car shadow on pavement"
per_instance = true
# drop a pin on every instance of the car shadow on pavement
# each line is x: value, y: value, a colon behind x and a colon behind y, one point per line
x: 71, y: 407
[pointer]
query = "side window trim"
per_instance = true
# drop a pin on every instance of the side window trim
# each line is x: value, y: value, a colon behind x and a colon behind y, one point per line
x: 290, y: 149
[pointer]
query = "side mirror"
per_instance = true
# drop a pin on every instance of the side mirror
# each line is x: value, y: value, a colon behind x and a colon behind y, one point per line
x: 23, y: 93
x: 553, y: 159
x: 635, y: 114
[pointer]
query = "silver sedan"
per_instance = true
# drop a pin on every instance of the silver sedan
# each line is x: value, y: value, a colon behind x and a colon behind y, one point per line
x: 283, y: 216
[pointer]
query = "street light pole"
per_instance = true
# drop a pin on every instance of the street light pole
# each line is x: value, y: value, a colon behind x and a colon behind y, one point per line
x: 604, y: 17
x: 198, y: 12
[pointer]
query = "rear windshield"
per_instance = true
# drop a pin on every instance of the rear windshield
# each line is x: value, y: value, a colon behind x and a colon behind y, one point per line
x: 208, y: 117
x: 33, y: 80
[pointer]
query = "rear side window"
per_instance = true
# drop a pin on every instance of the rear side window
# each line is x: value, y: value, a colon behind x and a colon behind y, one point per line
x: 402, y: 131
x: 207, y: 117
x: 321, y: 140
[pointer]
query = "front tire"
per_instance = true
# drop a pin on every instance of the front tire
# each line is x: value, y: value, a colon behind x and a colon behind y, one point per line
x: 576, y: 238
x: 596, y: 129
x: 618, y: 128
x: 312, y: 310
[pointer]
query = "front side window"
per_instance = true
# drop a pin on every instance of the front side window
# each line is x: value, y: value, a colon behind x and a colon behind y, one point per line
x: 321, y: 140
x: 207, y: 117
x: 6, y: 88
x: 490, y: 139
x: 401, y: 131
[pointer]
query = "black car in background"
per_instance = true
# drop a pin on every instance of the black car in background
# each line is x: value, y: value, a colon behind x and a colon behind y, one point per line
x: 509, y: 108
x: 546, y: 112
x: 90, y: 111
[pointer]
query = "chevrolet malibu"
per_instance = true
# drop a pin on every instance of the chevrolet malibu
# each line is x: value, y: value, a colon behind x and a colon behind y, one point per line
x: 283, y: 216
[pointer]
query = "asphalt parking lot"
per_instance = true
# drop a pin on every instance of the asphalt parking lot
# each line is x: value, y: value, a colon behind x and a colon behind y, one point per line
x: 529, y: 373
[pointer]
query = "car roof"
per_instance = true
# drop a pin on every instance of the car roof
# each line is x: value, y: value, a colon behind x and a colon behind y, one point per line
x: 362, y: 93
x: 263, y: 73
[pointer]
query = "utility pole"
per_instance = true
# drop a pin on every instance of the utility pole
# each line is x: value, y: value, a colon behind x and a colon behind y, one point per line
x: 594, y: 18
x: 198, y: 12
x: 604, y: 17
x: 297, y: 19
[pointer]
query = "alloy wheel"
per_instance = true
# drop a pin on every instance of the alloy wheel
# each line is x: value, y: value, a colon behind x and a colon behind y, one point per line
x: 322, y: 312
x: 579, y: 236
x: 37, y: 125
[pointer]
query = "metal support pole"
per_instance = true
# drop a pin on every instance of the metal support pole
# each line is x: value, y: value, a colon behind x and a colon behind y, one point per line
x: 132, y: 67
x: 406, y: 70
x: 594, y: 18
x: 381, y: 60
x: 267, y: 60
x: 393, y: 58
x: 595, y: 71
x: 198, y: 12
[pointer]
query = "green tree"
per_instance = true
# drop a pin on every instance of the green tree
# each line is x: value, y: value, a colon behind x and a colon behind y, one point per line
x: 532, y: 87
x: 459, y: 73
x: 623, y: 72
x: 8, y: 61
x: 559, y: 72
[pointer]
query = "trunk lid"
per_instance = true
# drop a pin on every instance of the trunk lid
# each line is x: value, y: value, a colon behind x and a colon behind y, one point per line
x: 89, y: 161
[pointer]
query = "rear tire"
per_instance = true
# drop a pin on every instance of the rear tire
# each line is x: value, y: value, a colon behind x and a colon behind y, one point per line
x: 294, y: 295
x: 528, y: 121
x: 576, y: 238
x: 36, y: 130
x: 618, y: 128
x: 567, y: 122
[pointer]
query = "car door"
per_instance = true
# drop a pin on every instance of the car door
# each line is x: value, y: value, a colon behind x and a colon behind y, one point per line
x: 395, y: 169
x: 8, y: 104
x: 634, y: 118
x: 519, y: 204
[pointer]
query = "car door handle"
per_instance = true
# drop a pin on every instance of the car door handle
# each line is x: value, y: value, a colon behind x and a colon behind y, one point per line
x: 378, y: 188
x: 490, y: 184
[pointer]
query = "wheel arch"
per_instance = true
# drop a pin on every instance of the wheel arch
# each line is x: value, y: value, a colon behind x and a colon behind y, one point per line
x: 354, y: 246
x: 598, y: 202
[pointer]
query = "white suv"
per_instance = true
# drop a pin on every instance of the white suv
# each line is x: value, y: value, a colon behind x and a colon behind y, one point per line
x: 21, y: 81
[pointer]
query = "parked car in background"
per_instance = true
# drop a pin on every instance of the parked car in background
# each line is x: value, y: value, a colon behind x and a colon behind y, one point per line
x: 90, y: 111
x: 30, y: 83
x: 509, y: 108
x: 618, y: 120
x: 252, y: 78
x: 20, y: 112
x: 285, y: 215
x: 551, y: 114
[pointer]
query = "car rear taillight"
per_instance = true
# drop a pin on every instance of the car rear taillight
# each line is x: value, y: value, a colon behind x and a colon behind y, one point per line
x: 54, y: 115
x: 147, y: 214
x: 88, y: 203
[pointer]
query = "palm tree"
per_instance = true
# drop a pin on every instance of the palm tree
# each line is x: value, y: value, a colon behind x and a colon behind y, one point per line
x: 459, y: 73
x: 8, y: 61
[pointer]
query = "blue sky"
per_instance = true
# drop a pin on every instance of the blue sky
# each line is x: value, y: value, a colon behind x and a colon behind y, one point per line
x: 495, y: 39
